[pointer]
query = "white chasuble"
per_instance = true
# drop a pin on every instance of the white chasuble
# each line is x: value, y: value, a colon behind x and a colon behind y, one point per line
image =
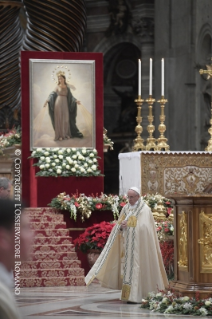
x: 140, y: 269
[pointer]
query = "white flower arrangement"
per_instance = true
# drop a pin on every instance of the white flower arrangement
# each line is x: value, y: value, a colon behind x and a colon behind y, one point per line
x: 171, y: 304
x: 66, y: 162
x: 10, y: 138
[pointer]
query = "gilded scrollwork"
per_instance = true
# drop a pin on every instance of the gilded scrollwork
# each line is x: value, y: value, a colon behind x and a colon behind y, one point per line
x: 170, y: 173
x: 183, y: 241
x: 205, y: 242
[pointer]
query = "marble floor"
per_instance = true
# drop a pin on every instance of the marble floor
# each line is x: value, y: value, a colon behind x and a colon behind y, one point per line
x: 79, y: 302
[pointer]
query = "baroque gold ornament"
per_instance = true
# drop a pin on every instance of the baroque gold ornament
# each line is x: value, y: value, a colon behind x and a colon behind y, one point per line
x: 205, y: 242
x: 208, y: 71
x: 139, y: 142
x: 151, y: 145
x: 162, y: 140
x: 183, y: 241
x: 159, y: 212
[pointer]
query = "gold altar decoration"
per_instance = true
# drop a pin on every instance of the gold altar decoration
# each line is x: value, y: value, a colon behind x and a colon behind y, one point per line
x: 159, y: 212
x: 208, y: 72
x: 150, y: 145
x: 183, y: 242
x: 192, y: 241
x: 205, y: 241
x: 171, y: 216
x: 175, y: 173
x: 107, y: 142
x: 139, y: 142
x: 162, y: 140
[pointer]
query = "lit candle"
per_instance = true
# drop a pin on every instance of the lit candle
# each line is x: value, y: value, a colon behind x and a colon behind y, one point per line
x: 150, y: 77
x: 162, y: 77
x: 139, y: 77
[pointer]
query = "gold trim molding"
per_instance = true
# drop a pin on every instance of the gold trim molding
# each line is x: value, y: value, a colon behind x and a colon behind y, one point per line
x: 183, y: 241
x: 205, y: 241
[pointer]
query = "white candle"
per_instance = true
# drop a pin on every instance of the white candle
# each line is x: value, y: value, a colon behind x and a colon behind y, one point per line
x: 162, y: 77
x: 139, y: 77
x: 150, y: 77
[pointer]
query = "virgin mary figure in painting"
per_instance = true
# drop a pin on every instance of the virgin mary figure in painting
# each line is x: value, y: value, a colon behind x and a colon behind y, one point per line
x: 63, y: 110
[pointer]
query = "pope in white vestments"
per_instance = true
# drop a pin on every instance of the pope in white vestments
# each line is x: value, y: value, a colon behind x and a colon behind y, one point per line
x: 131, y: 259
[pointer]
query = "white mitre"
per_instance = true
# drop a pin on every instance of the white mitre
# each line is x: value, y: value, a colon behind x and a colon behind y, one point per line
x: 135, y: 189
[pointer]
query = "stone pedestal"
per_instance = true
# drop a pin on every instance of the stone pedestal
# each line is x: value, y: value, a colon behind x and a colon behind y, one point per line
x: 193, y: 245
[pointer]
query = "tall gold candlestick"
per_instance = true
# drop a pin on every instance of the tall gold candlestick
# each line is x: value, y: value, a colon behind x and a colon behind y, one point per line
x: 151, y: 145
x: 139, y: 142
x: 161, y: 141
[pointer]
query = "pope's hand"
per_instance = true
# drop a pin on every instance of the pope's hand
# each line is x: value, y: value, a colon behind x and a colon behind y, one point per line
x: 45, y: 103
x: 124, y: 224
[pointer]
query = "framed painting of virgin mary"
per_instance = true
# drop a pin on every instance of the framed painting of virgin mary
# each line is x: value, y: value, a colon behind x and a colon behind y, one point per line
x: 62, y: 107
x: 62, y: 103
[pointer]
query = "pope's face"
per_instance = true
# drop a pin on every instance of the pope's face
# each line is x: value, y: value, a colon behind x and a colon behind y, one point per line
x: 132, y: 197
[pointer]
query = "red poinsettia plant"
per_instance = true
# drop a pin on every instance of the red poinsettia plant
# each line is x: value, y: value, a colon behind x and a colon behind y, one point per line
x: 94, y: 237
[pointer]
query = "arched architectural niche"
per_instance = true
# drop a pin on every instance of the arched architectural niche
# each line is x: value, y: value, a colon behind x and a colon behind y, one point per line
x: 120, y: 86
x: 204, y: 54
x: 107, y: 43
x: 204, y: 35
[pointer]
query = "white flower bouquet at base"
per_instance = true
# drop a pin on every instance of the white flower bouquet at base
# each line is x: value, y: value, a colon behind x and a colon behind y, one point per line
x: 169, y: 303
x: 66, y: 162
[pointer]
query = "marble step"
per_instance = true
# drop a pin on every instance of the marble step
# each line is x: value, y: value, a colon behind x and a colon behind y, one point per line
x: 41, y: 211
x: 58, y: 264
x: 46, y: 218
x: 53, y: 281
x: 48, y: 249
x: 48, y: 225
x: 34, y: 273
x: 52, y: 256
x: 51, y: 232
x: 65, y: 240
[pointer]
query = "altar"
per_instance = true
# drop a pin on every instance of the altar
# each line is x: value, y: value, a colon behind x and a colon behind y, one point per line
x: 166, y: 173
x: 182, y: 177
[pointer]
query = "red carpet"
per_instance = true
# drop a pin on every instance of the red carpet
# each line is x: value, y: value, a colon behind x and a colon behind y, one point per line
x: 53, y: 261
